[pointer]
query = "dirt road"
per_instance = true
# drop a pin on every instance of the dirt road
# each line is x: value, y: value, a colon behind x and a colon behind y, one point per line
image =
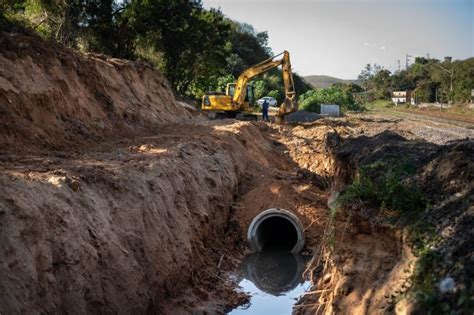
x: 436, y: 115
x: 432, y: 129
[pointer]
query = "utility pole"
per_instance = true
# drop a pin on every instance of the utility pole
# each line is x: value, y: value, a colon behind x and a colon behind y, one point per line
x: 398, y: 65
x: 407, y: 61
x: 451, y: 77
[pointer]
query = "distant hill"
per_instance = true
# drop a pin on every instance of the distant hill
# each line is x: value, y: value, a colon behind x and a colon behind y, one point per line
x: 324, y: 81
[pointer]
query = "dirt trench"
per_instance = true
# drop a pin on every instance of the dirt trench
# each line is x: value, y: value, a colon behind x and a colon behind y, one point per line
x: 116, y: 199
x: 113, y: 198
x: 143, y: 227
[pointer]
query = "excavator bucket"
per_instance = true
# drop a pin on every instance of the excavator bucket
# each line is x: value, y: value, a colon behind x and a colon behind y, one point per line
x: 288, y: 106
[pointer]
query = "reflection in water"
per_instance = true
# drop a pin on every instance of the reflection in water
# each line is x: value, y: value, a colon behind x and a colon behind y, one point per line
x: 274, y: 279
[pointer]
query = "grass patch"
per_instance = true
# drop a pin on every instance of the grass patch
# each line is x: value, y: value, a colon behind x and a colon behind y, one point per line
x: 379, y: 104
x: 383, y: 185
x: 461, y: 109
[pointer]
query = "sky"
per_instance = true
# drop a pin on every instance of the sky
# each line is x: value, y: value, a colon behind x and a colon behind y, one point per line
x: 339, y: 37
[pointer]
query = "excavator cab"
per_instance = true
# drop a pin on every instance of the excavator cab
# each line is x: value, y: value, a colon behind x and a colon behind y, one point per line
x: 249, y: 101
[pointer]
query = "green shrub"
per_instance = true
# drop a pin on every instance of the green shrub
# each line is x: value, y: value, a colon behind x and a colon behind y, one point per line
x: 275, y: 94
x: 312, y: 99
x: 382, y: 185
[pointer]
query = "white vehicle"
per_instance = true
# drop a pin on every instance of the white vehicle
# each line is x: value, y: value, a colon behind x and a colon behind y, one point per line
x: 270, y: 100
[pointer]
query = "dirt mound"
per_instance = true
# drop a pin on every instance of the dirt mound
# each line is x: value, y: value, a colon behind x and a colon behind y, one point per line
x: 364, y: 150
x: 451, y: 171
x: 449, y: 181
x: 54, y: 98
x: 307, y: 146
x: 301, y: 116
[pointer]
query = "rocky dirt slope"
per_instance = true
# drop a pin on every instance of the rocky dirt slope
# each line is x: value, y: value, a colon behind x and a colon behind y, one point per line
x: 53, y: 98
x: 376, y: 260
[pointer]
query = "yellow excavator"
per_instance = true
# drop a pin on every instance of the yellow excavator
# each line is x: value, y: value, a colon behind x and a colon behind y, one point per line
x: 238, y: 100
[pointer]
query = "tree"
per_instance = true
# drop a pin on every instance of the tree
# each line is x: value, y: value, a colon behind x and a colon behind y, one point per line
x: 429, y: 79
x: 275, y: 94
x: 180, y: 31
x: 366, y: 75
x: 312, y: 99
x: 193, y: 47
x: 261, y: 88
x: 106, y: 29
x: 248, y: 46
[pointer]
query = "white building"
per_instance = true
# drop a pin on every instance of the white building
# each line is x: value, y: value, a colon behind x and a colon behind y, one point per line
x: 401, y: 97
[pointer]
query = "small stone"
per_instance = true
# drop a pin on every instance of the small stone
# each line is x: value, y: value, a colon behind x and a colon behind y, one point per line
x: 446, y: 285
x: 75, y: 185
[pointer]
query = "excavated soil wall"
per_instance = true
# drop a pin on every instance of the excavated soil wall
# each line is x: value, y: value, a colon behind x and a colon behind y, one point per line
x: 53, y: 98
x: 91, y: 233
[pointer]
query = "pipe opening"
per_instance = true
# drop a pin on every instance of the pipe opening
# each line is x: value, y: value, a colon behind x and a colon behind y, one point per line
x: 277, y: 233
x: 276, y: 229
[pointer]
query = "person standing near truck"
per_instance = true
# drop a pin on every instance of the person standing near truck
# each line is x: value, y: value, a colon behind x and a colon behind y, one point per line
x: 265, y: 106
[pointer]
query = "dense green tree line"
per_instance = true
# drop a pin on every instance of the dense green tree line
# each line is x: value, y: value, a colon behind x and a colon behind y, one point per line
x: 197, y: 49
x: 430, y: 80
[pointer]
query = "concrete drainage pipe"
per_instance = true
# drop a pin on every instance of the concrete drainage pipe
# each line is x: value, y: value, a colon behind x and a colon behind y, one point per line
x: 276, y: 229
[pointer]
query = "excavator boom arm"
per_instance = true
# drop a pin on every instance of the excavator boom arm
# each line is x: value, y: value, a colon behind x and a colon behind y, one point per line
x: 289, y: 105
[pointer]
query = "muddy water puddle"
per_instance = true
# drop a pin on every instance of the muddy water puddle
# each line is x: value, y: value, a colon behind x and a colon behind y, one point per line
x: 274, y: 281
